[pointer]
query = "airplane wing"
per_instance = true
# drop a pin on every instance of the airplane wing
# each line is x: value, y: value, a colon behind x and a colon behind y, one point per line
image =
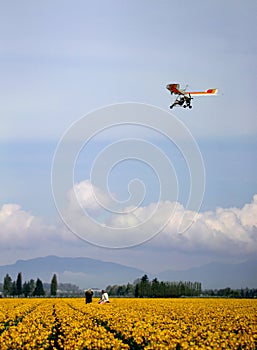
x: 175, y: 89
x: 202, y: 93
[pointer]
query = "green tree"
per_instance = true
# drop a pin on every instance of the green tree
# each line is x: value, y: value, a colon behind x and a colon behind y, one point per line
x: 130, y: 289
x: 7, y: 288
x: 144, y: 287
x: 26, y: 289
x: 137, y: 290
x: 13, y: 289
x: 19, y: 284
x: 155, y: 288
x: 113, y: 290
x: 32, y: 286
x: 54, y: 285
x: 39, y: 290
x: 122, y: 290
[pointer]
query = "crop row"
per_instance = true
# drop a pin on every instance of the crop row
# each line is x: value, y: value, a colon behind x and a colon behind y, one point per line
x: 183, y: 323
x: 55, y: 324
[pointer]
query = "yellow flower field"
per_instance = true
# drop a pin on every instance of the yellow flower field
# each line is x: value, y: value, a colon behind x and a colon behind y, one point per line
x: 128, y: 324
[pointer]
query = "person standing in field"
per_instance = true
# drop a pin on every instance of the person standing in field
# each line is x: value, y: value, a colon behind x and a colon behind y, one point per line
x: 104, y: 298
x: 89, y: 295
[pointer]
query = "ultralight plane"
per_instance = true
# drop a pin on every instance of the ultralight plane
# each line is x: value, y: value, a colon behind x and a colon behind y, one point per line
x: 184, y: 97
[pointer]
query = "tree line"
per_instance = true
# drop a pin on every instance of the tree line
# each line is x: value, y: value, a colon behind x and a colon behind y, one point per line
x: 231, y: 293
x: 156, y: 289
x: 28, y: 288
x: 144, y: 288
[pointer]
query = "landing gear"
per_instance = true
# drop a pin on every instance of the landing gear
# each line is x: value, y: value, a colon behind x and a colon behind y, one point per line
x: 188, y: 102
x: 187, y: 105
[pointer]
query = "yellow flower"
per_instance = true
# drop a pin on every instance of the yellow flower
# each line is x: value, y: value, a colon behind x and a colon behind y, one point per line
x: 152, y: 323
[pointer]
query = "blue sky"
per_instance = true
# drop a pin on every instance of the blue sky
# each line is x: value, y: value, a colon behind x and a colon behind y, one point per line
x: 61, y: 60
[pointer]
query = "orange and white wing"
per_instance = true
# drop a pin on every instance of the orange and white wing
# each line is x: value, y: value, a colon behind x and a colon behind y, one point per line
x: 208, y: 92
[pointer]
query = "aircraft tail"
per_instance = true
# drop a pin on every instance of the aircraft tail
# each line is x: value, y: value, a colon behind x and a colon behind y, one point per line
x: 173, y: 88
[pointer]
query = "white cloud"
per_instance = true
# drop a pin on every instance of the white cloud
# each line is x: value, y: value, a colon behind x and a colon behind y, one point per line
x: 19, y: 228
x: 230, y: 231
x: 222, y: 233
x: 12, y: 218
x: 88, y: 196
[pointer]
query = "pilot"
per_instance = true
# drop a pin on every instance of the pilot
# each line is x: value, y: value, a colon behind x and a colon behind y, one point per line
x: 181, y: 101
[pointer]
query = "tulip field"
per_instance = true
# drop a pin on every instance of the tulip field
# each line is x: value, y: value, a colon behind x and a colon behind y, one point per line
x: 69, y: 323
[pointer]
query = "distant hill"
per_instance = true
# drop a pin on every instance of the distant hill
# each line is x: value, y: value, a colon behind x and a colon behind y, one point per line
x: 84, y: 272
x: 217, y: 275
x: 92, y: 273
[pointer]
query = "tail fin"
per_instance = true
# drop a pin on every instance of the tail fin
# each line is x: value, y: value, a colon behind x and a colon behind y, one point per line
x: 173, y: 88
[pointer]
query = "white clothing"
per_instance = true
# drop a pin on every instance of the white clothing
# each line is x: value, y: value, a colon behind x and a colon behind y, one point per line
x: 104, y: 297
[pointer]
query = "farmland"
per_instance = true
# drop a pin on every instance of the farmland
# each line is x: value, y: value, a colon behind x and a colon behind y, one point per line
x: 55, y: 323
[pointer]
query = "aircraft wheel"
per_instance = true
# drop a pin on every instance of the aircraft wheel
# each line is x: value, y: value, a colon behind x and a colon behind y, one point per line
x: 190, y: 106
x: 185, y: 106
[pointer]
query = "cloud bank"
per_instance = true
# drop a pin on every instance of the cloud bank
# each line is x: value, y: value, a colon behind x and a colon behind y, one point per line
x: 223, y: 232
x: 21, y: 229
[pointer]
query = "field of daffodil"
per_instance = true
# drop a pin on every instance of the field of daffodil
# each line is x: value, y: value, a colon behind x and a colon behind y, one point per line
x: 128, y: 324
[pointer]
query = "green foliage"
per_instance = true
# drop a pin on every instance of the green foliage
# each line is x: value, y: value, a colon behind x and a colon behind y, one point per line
x: 14, y: 289
x: 155, y: 289
x: 31, y: 288
x: 7, y: 288
x: 39, y: 290
x: 167, y: 289
x: 54, y: 285
x: 19, y: 284
x: 28, y: 288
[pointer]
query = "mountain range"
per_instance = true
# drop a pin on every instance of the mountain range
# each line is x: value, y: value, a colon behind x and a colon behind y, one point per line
x: 87, y: 272
x: 217, y: 275
x: 84, y: 272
